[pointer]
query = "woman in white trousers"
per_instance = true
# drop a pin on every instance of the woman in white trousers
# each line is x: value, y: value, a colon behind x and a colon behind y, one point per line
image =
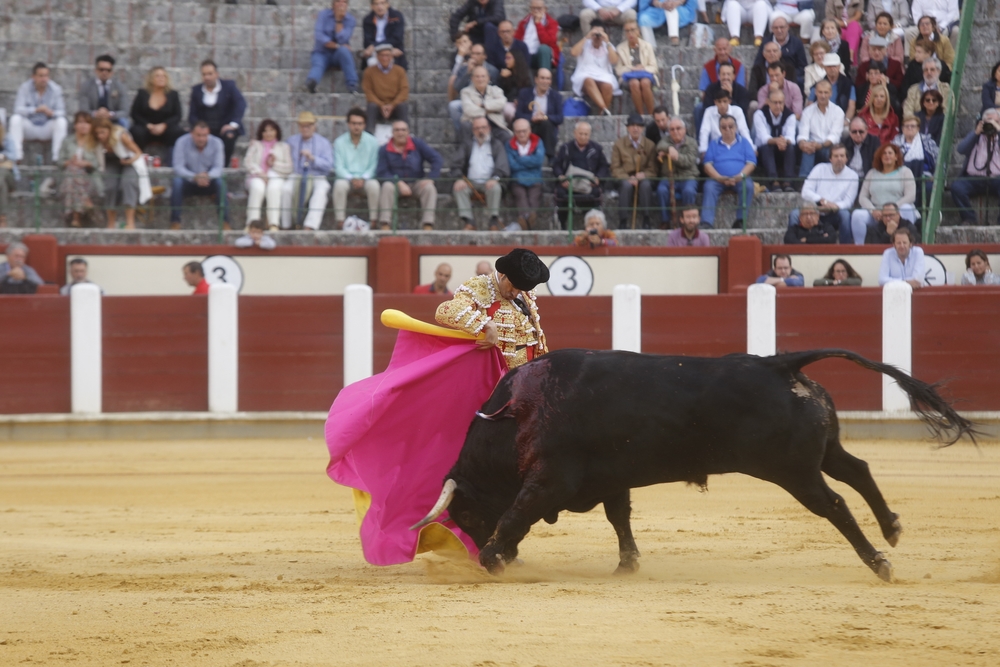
x: 269, y: 164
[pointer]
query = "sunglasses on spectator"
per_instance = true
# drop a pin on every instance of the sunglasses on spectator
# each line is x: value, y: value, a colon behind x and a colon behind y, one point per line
x: 859, y: 131
x: 103, y: 69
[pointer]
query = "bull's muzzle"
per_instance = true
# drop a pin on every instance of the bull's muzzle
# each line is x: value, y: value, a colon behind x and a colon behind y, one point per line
x: 447, y: 493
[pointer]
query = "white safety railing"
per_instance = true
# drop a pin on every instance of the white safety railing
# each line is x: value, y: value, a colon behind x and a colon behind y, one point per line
x: 626, y: 318
x: 86, y: 357
x: 762, y: 327
x: 897, y: 342
x: 358, y: 333
x: 223, y: 348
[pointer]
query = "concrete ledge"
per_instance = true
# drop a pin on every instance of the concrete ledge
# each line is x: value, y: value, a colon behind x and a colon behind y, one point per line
x: 278, y: 425
x: 161, y: 426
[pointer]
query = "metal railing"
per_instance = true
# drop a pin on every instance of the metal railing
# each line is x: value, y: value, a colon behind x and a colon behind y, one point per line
x: 562, y: 211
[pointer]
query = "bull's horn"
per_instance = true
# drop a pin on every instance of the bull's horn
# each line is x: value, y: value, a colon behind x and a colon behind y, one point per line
x: 447, y: 492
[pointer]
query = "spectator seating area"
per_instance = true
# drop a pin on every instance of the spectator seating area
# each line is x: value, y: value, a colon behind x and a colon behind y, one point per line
x: 266, y: 49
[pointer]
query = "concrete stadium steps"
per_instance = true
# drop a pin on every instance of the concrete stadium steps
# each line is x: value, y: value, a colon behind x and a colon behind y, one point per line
x: 266, y: 50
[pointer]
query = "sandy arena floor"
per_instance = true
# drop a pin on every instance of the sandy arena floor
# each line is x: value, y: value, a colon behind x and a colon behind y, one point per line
x: 244, y: 553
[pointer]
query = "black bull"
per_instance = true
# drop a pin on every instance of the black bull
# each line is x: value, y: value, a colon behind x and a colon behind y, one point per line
x: 575, y: 428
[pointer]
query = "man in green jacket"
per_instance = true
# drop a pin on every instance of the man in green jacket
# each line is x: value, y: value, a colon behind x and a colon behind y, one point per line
x: 678, y: 156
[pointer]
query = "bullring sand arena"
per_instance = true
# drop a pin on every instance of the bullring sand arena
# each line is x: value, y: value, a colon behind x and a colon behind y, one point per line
x: 243, y: 553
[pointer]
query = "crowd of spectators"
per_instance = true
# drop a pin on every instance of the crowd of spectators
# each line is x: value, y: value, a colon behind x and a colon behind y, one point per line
x: 859, y: 98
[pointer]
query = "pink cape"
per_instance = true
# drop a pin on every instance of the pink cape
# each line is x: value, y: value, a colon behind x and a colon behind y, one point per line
x: 396, y: 435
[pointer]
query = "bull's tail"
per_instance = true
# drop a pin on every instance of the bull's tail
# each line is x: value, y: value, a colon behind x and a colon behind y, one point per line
x: 940, y: 417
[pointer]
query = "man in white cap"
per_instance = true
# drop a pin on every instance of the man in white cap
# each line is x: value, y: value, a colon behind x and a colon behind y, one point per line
x: 877, y: 50
x: 312, y: 160
x: 842, y: 91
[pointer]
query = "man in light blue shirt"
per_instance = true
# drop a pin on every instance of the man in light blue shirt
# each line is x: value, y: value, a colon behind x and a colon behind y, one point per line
x: 355, y: 154
x: 312, y: 160
x: 198, y: 159
x: 332, y: 47
x: 39, y: 113
x: 728, y: 163
x: 903, y: 261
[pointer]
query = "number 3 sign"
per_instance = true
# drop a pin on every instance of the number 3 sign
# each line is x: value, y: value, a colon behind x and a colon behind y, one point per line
x: 570, y: 276
x: 223, y: 269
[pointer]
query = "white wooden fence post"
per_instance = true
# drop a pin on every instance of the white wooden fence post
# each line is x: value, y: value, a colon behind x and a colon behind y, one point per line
x: 626, y: 318
x: 86, y: 359
x: 223, y: 348
x: 761, y: 320
x: 358, y: 333
x: 897, y: 341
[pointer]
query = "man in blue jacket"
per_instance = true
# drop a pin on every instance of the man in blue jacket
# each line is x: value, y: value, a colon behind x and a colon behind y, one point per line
x: 332, y: 47
x: 542, y: 107
x: 219, y: 104
x: 526, y: 155
x: 383, y: 24
x: 403, y: 159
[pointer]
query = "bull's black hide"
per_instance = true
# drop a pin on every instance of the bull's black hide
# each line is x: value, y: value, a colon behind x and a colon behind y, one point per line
x: 575, y: 428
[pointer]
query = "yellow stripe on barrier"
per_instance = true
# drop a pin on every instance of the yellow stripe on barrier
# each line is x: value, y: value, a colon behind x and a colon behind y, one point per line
x: 397, y: 319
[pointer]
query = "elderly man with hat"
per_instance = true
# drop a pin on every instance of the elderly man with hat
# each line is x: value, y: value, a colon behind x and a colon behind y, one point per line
x: 502, y: 305
x: 308, y: 188
x: 893, y: 68
x: 386, y: 88
x: 633, y: 163
x: 842, y: 91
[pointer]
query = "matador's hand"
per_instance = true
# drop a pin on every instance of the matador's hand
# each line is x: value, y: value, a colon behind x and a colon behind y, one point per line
x: 491, y: 336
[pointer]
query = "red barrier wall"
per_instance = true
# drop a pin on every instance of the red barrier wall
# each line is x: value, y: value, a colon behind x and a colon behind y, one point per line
x: 956, y: 340
x: 699, y: 326
x: 34, y: 337
x: 291, y: 352
x: 155, y: 353
x: 848, y: 318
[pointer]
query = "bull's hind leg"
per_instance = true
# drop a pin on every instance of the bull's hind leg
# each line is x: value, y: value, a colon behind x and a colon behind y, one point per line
x: 854, y: 472
x: 618, y: 509
x: 821, y: 500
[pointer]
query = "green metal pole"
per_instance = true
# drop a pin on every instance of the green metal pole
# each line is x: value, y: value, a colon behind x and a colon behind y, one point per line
x: 948, y: 133
x: 395, y: 203
x: 569, y: 217
x: 222, y: 204
x: 38, y: 204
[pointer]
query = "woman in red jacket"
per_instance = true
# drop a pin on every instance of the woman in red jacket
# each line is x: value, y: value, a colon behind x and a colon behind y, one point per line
x: 881, y: 120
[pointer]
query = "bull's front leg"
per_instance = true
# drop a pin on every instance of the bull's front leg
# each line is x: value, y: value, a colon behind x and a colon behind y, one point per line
x: 529, y: 507
x: 618, y: 509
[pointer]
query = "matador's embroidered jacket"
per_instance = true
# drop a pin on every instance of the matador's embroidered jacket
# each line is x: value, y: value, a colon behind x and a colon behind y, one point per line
x: 478, y: 301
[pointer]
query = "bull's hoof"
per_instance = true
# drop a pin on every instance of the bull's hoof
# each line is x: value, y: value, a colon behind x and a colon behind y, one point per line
x: 629, y: 567
x: 883, y: 568
x: 494, y: 565
x: 892, y: 535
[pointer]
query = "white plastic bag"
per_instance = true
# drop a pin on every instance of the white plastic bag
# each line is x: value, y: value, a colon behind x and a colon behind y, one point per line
x: 355, y: 224
x: 701, y: 36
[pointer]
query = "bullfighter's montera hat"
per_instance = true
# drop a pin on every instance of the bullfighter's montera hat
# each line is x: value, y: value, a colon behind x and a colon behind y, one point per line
x: 523, y: 268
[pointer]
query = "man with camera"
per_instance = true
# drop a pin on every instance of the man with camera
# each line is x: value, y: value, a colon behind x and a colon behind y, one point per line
x: 981, y: 174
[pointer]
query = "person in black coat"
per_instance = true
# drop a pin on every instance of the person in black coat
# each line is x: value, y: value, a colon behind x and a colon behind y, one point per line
x: 499, y: 39
x: 738, y: 95
x: 476, y: 14
x: 991, y: 89
x: 162, y: 124
x: 220, y: 104
x: 545, y: 123
x: 793, y: 51
x: 810, y: 229
x: 859, y: 142
x: 395, y: 25
x: 582, y: 153
x: 931, y: 114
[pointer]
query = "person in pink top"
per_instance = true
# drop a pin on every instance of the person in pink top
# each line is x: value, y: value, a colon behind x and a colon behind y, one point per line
x: 688, y: 234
